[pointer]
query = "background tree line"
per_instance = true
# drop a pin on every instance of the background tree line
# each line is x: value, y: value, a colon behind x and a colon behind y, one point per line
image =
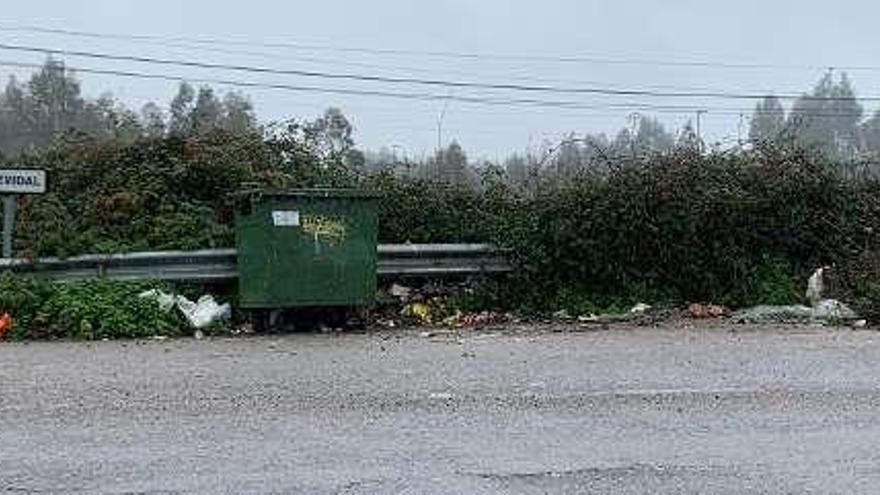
x: 51, y: 102
x: 828, y: 118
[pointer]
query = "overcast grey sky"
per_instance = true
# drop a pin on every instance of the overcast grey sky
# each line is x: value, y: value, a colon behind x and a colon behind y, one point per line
x: 792, y: 41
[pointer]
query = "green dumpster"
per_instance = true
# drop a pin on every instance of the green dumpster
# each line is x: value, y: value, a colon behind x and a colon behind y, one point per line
x: 306, y: 248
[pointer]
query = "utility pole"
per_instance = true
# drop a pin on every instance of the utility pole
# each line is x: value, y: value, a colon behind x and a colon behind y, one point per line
x: 699, y: 127
x: 439, y: 131
x: 739, y: 129
x: 634, y: 119
x: 440, y: 125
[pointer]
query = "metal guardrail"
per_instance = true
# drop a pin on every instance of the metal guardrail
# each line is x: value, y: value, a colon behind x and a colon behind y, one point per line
x: 394, y: 260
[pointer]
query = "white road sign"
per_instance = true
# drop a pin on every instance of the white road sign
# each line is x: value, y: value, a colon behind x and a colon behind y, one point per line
x: 22, y: 181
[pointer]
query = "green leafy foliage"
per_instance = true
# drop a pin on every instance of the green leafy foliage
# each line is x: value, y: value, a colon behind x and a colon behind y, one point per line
x: 738, y: 229
x: 102, y: 309
x: 773, y: 281
x: 87, y: 310
x: 734, y: 228
x: 108, y: 196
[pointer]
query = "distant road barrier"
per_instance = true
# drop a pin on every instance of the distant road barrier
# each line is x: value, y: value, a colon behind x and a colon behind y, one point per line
x: 394, y: 260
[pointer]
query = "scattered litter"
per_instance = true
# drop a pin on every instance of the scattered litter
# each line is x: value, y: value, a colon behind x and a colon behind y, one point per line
x: 483, y: 318
x: 6, y: 324
x: 833, y: 310
x: 401, y: 292
x: 820, y: 310
x: 640, y: 308
x: 562, y: 315
x: 774, y: 314
x: 607, y: 318
x: 860, y: 324
x: 243, y: 329
x: 816, y: 286
x: 419, y: 310
x: 441, y: 396
x: 387, y: 323
x: 199, y: 335
x: 199, y: 314
x: 828, y: 310
x: 203, y: 312
x: 454, y: 319
x: 700, y: 311
x: 427, y: 335
x: 166, y: 301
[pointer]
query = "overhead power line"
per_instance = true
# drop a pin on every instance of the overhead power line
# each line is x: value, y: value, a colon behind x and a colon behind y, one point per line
x: 216, y: 46
x: 571, y: 105
x: 427, y: 97
x: 477, y: 56
x: 411, y: 80
x: 324, y: 60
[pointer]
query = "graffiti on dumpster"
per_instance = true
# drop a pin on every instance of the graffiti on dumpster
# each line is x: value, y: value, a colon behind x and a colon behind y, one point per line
x: 324, y: 229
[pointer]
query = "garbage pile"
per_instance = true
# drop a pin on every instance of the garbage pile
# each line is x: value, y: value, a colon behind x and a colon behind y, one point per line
x: 433, y: 304
x: 829, y: 311
x: 440, y: 305
x: 821, y: 310
x: 639, y: 313
x: 701, y: 311
x: 200, y: 314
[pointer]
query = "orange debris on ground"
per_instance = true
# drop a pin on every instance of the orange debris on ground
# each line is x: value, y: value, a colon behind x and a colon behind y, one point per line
x: 705, y: 311
x: 5, y: 324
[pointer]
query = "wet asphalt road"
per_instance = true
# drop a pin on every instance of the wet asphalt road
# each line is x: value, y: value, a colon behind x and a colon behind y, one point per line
x: 620, y: 411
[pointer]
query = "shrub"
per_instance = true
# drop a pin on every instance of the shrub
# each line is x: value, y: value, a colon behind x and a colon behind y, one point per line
x: 737, y: 228
x: 87, y: 310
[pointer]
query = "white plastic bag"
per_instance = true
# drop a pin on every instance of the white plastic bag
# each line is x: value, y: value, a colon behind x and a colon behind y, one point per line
x: 166, y: 301
x: 833, y: 310
x: 199, y: 314
x: 816, y: 286
x: 640, y: 308
x: 203, y: 312
x: 400, y: 291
